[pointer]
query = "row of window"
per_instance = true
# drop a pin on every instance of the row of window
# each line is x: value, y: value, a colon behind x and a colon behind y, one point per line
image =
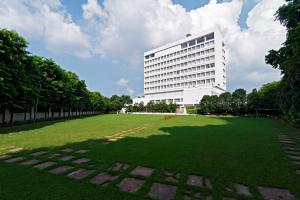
x: 187, y: 70
x: 197, y: 41
x: 181, y: 85
x: 189, y: 56
x: 191, y: 76
x: 177, y: 53
x: 180, y: 65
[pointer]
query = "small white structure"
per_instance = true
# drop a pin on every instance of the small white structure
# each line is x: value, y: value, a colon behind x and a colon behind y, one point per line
x: 184, y: 71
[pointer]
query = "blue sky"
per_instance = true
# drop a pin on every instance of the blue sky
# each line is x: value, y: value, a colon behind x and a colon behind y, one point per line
x: 103, y: 71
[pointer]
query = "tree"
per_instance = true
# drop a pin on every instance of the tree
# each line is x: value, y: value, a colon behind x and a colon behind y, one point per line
x: 224, y: 103
x: 287, y: 60
x: 253, y: 102
x: 238, y: 101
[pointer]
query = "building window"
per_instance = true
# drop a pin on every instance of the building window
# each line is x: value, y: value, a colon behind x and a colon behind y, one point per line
x: 210, y: 36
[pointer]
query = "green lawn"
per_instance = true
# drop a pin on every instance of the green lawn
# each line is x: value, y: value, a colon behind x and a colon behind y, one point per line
x: 226, y: 150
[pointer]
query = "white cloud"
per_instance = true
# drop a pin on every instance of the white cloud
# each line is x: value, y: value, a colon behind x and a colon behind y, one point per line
x: 123, y: 29
x: 45, y: 20
x: 129, y: 27
x: 122, y: 82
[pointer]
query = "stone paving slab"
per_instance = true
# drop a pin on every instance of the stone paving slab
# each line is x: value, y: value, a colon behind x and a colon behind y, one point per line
x: 14, y: 150
x: 15, y: 159
x: 242, y: 190
x: 194, y: 180
x: 67, y: 158
x: 67, y: 150
x: 80, y: 173
x: 44, y: 165
x: 118, y: 166
x: 38, y: 153
x: 296, y: 163
x: 81, y: 160
x: 162, y: 191
x: 30, y: 162
x: 172, y: 177
x: 269, y: 193
x: 103, y: 178
x: 4, y: 157
x: 61, y: 169
x: 294, y: 157
x: 142, y: 171
x: 82, y: 151
x: 292, y: 148
x: 54, y: 155
x: 295, y: 153
x: 131, y: 185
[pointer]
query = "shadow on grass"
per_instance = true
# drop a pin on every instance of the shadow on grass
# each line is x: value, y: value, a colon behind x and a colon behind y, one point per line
x: 37, y: 125
x: 237, y: 152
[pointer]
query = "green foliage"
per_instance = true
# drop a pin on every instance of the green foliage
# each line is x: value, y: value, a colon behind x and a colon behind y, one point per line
x: 28, y: 81
x: 153, y: 107
x: 287, y: 60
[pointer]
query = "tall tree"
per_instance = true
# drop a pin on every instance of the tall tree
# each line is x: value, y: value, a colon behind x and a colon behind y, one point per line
x: 287, y: 60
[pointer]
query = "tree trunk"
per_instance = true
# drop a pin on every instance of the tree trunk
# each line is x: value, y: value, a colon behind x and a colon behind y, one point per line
x: 3, y: 116
x: 11, y: 118
x: 25, y: 116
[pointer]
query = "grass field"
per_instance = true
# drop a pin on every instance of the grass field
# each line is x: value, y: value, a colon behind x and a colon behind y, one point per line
x: 225, y: 150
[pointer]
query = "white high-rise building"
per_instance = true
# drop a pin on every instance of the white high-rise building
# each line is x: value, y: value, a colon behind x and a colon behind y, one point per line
x: 184, y: 71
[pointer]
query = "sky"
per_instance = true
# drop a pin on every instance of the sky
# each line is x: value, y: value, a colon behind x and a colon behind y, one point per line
x: 103, y: 41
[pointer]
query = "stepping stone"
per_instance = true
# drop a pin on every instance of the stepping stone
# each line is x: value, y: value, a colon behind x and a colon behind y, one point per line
x: 194, y: 180
x: 269, y: 193
x: 16, y: 159
x: 229, y: 198
x: 172, y: 177
x: 38, y: 153
x: 44, y: 165
x: 295, y: 153
x: 297, y: 163
x: 81, y: 160
x: 82, y: 151
x: 131, y: 185
x: 209, y: 197
x: 142, y: 171
x: 298, y: 171
x: 67, y: 150
x: 14, y: 150
x: 80, y: 173
x: 103, y: 178
x: 120, y: 166
x: 66, y: 158
x: 207, y: 183
x: 61, y: 169
x: 162, y: 191
x: 242, y: 190
x: 4, y: 157
x: 292, y: 148
x: 294, y: 157
x: 30, y: 162
x: 54, y: 155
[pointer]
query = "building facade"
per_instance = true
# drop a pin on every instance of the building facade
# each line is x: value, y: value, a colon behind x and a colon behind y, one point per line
x: 184, y: 71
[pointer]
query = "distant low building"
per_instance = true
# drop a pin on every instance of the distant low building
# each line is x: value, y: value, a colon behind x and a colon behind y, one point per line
x: 184, y: 71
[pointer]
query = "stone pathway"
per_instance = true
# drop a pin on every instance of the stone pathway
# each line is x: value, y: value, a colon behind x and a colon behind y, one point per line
x: 293, y: 152
x: 173, y: 184
x: 122, y: 134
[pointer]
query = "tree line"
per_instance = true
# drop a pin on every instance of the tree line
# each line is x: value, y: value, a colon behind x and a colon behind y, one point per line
x: 151, y: 106
x: 30, y: 82
x: 258, y: 102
